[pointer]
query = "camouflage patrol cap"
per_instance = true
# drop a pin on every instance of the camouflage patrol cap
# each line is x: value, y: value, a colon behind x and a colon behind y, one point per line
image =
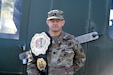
x: 57, y: 14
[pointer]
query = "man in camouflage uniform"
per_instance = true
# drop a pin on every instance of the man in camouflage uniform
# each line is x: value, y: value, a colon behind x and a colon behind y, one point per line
x: 65, y: 55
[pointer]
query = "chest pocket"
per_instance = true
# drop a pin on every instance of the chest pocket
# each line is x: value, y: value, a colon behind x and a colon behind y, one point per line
x: 67, y: 54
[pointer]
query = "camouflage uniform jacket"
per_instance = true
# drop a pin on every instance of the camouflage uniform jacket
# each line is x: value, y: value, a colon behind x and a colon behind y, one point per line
x: 65, y: 56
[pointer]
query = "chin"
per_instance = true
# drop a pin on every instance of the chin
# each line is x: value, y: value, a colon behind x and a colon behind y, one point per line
x: 55, y: 30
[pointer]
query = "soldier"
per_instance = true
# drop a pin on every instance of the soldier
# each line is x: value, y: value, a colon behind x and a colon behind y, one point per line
x: 65, y: 55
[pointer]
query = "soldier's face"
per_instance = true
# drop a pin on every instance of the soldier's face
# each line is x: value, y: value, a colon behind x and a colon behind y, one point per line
x: 55, y: 24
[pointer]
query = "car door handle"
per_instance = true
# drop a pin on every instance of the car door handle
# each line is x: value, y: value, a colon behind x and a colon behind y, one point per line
x: 87, y: 37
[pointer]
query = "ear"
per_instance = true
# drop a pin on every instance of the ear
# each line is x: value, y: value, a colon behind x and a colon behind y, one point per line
x: 47, y: 22
x: 63, y: 22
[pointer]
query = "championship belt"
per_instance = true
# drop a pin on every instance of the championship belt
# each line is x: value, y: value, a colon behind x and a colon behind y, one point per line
x: 39, y: 46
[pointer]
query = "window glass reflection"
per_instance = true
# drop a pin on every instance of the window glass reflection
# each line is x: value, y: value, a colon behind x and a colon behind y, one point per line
x: 111, y: 21
x: 10, y: 18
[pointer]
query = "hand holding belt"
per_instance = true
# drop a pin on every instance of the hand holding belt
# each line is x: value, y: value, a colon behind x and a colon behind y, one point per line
x: 39, y: 46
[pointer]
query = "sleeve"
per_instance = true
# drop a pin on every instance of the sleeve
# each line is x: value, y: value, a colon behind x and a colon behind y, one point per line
x: 80, y: 57
x: 31, y: 66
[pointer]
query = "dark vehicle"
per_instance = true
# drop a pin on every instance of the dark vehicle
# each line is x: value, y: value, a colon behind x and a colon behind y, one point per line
x: 88, y: 20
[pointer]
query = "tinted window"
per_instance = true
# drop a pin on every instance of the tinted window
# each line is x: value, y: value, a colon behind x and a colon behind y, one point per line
x: 10, y: 18
x: 111, y: 21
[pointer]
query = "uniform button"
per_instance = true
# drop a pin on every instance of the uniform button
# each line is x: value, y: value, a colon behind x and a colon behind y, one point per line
x: 59, y: 60
x: 65, y: 54
x: 54, y: 52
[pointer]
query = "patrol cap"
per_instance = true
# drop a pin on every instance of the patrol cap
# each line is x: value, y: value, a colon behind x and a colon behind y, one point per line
x: 55, y: 14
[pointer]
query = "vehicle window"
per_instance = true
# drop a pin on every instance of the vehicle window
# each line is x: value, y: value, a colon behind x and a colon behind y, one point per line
x: 111, y: 21
x: 10, y: 18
